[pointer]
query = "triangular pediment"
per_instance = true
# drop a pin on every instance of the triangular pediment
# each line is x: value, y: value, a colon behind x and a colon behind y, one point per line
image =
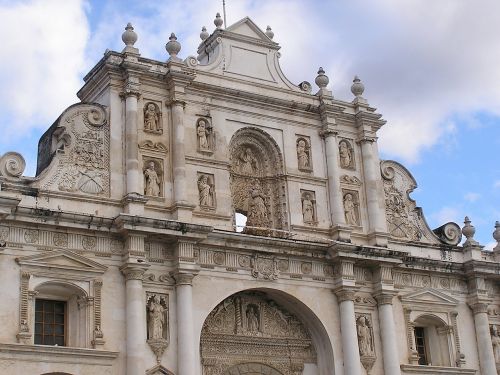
x: 63, y: 260
x: 158, y: 370
x: 249, y: 29
x: 427, y: 297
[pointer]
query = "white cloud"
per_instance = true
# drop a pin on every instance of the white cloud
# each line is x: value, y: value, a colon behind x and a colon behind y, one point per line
x: 496, y: 184
x: 41, y: 58
x: 490, y: 245
x: 472, y: 197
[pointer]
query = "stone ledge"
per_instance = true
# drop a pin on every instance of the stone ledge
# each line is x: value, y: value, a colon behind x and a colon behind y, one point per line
x: 432, y: 370
x: 57, y: 354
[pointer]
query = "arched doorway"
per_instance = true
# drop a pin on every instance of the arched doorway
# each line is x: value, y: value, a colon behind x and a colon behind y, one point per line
x: 250, y: 333
x: 258, y: 188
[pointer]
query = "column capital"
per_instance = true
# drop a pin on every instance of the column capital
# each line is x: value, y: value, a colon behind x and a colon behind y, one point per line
x: 175, y: 102
x: 134, y: 271
x: 385, y: 297
x: 366, y: 139
x: 328, y: 131
x: 130, y: 92
x: 345, y: 294
x: 182, y: 278
x: 479, y: 307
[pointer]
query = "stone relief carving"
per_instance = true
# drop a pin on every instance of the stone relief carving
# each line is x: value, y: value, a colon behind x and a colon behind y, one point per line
x: 350, y: 180
x: 495, y: 341
x: 249, y: 327
x: 346, y: 154
x: 81, y: 143
x: 157, y: 323
x: 308, y: 199
x: 364, y: 329
x: 351, y: 207
x: 205, y: 135
x: 258, y: 187
x: 264, y: 267
x: 206, y: 190
x: 31, y: 235
x: 152, y: 118
x: 153, y: 146
x: 304, y: 154
x: 60, y: 240
x: 153, y: 177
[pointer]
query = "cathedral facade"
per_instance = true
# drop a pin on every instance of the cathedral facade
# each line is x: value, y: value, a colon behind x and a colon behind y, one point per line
x: 206, y: 216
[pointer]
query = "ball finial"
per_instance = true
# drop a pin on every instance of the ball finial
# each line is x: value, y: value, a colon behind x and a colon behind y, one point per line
x: 129, y: 36
x: 218, y: 21
x: 357, y: 87
x: 322, y: 79
x: 204, y: 34
x: 173, y: 47
x: 269, y: 32
x: 468, y: 231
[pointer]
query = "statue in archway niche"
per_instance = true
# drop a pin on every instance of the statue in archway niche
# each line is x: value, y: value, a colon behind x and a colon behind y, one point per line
x: 365, y: 336
x: 205, y: 136
x: 156, y: 314
x: 252, y: 316
x: 308, y: 207
x: 157, y: 323
x: 152, y: 118
x: 495, y: 341
x: 345, y: 154
x: 257, y: 210
x: 350, y: 210
x: 152, y: 181
x: 304, y: 155
x: 246, y: 162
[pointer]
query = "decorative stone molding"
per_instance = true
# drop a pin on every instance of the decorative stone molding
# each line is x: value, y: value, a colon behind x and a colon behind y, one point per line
x: 24, y: 335
x: 98, y: 341
x: 384, y: 298
x: 134, y: 245
x: 149, y: 145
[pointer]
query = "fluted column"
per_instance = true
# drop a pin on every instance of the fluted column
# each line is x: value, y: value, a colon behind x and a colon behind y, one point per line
x: 185, y: 336
x: 135, y: 317
x: 350, y: 347
x: 374, y: 191
x: 390, y: 352
x: 131, y: 143
x: 485, y: 348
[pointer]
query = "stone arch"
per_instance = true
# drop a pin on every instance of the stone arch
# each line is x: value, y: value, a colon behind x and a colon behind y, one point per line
x: 258, y: 188
x: 315, y: 352
x: 252, y: 369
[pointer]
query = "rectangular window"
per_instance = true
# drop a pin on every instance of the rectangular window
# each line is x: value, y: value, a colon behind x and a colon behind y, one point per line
x: 50, y: 322
x: 421, y: 345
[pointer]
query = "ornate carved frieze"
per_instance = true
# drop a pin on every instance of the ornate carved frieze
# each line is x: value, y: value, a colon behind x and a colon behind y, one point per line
x: 158, y: 326
x: 410, y: 280
x: 249, y: 327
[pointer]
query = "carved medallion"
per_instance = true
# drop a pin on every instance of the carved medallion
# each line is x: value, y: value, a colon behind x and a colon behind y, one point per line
x: 244, y: 261
x: 31, y: 235
x: 4, y: 233
x: 306, y: 268
x: 60, y: 239
x: 219, y: 258
x: 265, y: 268
x: 89, y: 243
x: 283, y: 265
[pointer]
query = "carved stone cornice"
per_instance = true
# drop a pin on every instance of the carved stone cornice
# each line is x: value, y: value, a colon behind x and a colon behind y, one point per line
x: 134, y: 271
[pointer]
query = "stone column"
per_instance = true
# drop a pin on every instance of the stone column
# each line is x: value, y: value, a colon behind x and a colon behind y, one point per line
x: 485, y: 348
x: 374, y: 191
x: 135, y: 316
x: 388, y: 334
x: 350, y: 347
x: 185, y: 337
x: 131, y: 144
x: 179, y: 157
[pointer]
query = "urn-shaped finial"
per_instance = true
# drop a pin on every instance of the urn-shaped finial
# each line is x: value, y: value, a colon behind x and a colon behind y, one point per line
x: 204, y: 34
x: 322, y: 79
x: 218, y: 21
x: 269, y: 32
x: 496, y: 235
x: 173, y: 46
x: 129, y: 36
x: 468, y: 231
x: 357, y: 87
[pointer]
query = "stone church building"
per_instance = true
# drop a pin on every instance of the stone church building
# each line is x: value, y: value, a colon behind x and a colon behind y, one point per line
x: 129, y: 253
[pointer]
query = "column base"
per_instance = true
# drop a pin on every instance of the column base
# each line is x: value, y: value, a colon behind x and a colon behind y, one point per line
x: 133, y: 204
x: 341, y: 233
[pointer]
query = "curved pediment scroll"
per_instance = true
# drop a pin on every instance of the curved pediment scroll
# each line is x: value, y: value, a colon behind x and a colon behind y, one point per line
x: 405, y: 221
x: 249, y: 327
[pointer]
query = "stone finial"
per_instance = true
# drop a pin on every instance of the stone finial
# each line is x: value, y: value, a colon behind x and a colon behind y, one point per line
x: 129, y: 37
x: 173, y: 47
x: 468, y: 231
x: 269, y: 32
x: 204, y: 34
x: 322, y: 79
x: 218, y: 21
x: 496, y: 236
x: 357, y: 87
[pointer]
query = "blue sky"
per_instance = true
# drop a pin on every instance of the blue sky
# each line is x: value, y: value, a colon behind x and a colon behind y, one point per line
x: 431, y: 68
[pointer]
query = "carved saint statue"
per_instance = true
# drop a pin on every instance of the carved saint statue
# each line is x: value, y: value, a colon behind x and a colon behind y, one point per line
x: 152, y: 185
x: 303, y: 155
x: 365, y: 338
x: 247, y: 163
x: 350, y: 210
x: 257, y: 210
x: 345, y: 154
x: 151, y: 118
x: 203, y: 131
x: 156, y: 315
x: 206, y: 192
x: 495, y: 340
x: 308, y: 209
x: 252, y: 319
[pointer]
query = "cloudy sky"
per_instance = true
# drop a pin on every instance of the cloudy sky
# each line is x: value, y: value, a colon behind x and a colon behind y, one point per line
x: 432, y: 68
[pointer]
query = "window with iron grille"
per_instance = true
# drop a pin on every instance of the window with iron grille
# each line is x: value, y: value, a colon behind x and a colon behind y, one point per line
x: 50, y: 322
x: 421, y: 345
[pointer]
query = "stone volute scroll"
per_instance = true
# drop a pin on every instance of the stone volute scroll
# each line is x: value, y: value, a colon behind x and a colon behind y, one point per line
x: 152, y: 118
x: 157, y: 313
x: 205, y: 136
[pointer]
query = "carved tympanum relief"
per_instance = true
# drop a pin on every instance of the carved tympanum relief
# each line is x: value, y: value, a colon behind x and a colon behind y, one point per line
x: 304, y: 154
x: 153, y: 173
x: 157, y: 323
x: 252, y: 328
x: 206, y: 190
x: 308, y: 199
x: 257, y: 182
x: 152, y: 118
x: 351, y: 207
x: 346, y: 154
x: 80, y: 142
x: 205, y: 136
